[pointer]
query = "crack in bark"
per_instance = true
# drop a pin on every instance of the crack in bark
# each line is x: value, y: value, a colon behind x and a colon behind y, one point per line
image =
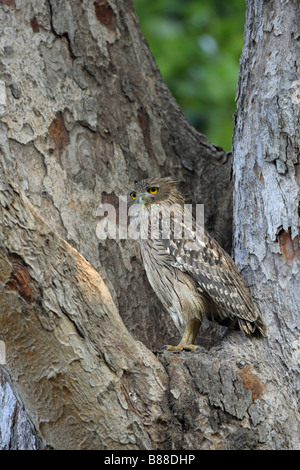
x: 60, y: 35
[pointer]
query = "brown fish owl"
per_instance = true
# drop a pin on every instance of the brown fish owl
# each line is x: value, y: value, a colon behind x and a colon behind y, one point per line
x: 190, y: 273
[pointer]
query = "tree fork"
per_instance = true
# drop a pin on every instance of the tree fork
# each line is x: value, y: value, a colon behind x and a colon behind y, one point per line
x: 87, y: 384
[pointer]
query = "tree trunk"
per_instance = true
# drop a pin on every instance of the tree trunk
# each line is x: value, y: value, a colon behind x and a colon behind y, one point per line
x: 84, y: 113
x: 266, y: 198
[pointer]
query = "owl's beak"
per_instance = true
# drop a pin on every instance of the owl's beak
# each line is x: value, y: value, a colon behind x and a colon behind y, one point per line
x: 143, y: 200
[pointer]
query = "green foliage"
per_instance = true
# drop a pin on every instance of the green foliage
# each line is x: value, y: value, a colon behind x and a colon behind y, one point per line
x: 197, y: 44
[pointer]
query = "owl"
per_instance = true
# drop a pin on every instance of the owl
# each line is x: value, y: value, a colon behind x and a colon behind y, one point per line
x: 191, y: 274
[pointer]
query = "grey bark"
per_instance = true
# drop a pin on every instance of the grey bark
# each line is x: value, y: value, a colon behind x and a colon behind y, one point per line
x: 84, y: 112
x: 16, y: 429
x: 267, y: 188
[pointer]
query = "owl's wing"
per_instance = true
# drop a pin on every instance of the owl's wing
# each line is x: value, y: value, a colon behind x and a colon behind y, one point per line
x: 215, y: 273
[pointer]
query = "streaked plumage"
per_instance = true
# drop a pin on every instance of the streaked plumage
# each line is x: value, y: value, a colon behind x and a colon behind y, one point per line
x: 194, y: 278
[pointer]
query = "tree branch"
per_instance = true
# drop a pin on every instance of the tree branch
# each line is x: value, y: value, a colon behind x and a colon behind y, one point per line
x: 84, y: 381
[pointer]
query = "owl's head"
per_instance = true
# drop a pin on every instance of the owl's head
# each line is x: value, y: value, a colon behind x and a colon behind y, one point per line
x: 155, y: 191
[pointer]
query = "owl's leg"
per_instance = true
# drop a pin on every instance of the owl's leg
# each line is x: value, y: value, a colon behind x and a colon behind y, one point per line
x: 191, y: 331
x: 195, y: 328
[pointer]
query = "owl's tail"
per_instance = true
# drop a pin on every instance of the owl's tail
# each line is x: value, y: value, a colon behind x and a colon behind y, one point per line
x: 256, y: 327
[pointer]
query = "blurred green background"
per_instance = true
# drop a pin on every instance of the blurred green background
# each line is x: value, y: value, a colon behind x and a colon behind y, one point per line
x: 197, y: 45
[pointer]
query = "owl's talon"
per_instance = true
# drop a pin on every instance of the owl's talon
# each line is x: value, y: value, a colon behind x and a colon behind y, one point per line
x: 179, y: 347
x: 192, y: 347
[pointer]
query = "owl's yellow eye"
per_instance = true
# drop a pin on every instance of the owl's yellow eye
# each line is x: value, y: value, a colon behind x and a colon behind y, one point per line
x: 153, y: 190
x: 133, y: 195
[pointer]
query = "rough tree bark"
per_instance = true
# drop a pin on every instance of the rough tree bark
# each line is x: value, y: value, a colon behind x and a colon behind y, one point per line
x: 267, y: 188
x: 84, y: 112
